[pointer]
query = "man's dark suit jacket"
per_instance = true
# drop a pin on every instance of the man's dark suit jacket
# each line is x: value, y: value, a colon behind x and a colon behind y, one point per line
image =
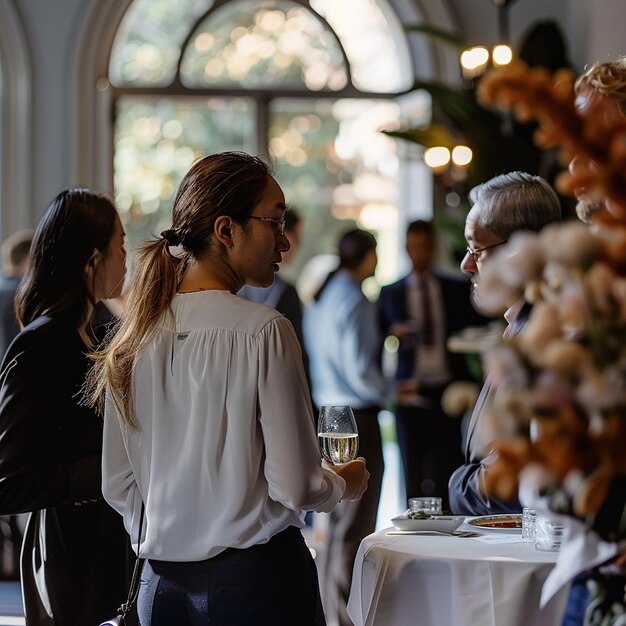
x: 465, y: 490
x: 8, y: 324
x: 458, y: 314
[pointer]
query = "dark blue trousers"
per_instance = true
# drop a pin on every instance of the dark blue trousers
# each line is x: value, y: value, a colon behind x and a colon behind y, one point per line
x: 272, y: 584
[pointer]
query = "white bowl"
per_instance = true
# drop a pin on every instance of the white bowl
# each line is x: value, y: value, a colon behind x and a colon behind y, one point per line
x: 441, y: 523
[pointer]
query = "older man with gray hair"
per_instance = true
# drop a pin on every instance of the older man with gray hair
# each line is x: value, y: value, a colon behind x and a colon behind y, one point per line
x: 502, y: 206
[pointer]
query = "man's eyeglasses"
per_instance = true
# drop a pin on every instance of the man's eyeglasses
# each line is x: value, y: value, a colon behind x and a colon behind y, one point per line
x: 279, y: 225
x: 475, y: 254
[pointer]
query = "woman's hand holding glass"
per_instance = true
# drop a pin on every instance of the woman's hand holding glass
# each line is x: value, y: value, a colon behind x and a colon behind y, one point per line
x: 339, y: 442
x: 354, y: 473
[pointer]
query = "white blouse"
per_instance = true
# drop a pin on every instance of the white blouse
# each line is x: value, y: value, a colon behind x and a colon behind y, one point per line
x: 227, y: 453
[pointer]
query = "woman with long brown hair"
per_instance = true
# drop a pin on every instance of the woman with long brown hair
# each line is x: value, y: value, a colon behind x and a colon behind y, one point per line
x: 76, y: 556
x: 208, y: 422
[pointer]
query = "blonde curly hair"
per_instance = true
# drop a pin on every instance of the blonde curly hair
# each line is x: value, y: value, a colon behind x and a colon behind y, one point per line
x: 609, y: 79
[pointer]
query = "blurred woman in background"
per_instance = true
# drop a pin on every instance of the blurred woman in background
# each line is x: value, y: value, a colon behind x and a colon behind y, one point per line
x: 75, y: 563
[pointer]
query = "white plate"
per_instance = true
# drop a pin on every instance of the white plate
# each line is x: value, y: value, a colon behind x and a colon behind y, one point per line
x: 483, y: 523
x: 442, y: 523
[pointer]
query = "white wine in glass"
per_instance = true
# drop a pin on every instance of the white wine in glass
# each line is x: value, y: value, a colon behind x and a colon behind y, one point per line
x: 337, y: 433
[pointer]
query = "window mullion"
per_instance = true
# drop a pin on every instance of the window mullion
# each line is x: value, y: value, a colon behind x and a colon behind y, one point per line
x: 262, y: 126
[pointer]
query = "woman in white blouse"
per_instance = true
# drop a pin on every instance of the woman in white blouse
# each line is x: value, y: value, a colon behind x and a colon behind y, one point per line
x: 207, y: 418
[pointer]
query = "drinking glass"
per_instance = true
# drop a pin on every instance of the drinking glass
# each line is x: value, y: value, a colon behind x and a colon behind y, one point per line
x: 529, y: 518
x: 548, y: 534
x: 429, y: 505
x: 337, y: 434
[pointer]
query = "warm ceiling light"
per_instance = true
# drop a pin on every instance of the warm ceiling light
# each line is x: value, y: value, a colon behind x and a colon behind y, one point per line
x: 437, y: 157
x: 474, y: 58
x: 461, y: 155
x: 502, y: 54
x: 474, y: 61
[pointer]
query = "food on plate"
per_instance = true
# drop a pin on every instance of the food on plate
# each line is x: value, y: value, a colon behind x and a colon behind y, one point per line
x: 502, y: 521
x: 419, y: 515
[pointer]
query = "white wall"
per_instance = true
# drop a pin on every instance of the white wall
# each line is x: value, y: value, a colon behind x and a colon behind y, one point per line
x: 606, y: 21
x: 479, y: 18
x: 52, y: 34
x: 594, y: 31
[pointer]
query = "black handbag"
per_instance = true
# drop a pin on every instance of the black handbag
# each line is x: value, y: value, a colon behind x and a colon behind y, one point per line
x: 121, y: 619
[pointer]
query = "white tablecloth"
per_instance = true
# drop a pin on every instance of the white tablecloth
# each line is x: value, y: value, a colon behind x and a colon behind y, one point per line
x: 427, y: 580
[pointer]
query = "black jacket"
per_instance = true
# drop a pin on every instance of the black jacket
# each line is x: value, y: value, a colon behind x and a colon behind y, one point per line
x: 76, y: 559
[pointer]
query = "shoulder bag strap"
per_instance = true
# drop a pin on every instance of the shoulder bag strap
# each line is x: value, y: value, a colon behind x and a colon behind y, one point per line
x: 133, y: 592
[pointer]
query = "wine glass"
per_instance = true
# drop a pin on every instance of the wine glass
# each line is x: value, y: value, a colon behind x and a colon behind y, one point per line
x: 337, y: 433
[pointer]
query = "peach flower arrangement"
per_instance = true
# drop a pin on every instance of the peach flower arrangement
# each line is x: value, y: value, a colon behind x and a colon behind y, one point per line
x: 559, y: 413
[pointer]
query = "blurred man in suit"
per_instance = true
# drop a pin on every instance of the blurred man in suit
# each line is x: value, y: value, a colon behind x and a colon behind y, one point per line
x: 502, y: 206
x: 342, y: 340
x: 422, y: 310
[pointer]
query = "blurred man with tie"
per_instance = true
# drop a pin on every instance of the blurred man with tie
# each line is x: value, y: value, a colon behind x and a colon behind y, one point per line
x: 422, y: 310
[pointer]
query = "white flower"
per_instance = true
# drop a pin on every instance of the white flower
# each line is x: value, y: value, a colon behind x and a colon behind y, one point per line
x: 459, y: 397
x: 573, y: 307
x: 505, y: 367
x: 522, y: 259
x: 565, y: 358
x: 601, y: 390
x: 614, y: 242
x: 542, y: 327
x: 496, y: 425
x: 555, y: 277
x: 534, y: 479
x: 618, y: 290
x: 573, y: 481
x: 599, y: 284
x: 497, y: 287
x: 572, y: 244
x: 550, y: 390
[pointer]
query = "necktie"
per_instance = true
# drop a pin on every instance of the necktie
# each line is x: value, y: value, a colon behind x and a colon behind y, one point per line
x: 428, y: 329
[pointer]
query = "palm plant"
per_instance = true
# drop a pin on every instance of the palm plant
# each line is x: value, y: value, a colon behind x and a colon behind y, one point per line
x: 498, y: 143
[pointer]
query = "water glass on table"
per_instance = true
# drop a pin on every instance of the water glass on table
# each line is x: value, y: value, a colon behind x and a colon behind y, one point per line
x: 529, y: 518
x: 427, y: 505
x: 548, y: 534
x: 337, y: 434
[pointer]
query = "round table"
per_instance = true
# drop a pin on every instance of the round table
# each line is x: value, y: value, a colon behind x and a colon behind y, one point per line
x: 494, y: 579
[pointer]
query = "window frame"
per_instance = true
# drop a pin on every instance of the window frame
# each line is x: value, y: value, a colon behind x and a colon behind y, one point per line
x: 262, y: 98
x: 95, y: 97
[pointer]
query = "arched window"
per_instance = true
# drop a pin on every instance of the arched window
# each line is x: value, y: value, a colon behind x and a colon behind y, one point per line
x: 310, y: 83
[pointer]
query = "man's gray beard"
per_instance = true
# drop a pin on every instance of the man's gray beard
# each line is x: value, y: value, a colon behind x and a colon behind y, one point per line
x: 588, y: 209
